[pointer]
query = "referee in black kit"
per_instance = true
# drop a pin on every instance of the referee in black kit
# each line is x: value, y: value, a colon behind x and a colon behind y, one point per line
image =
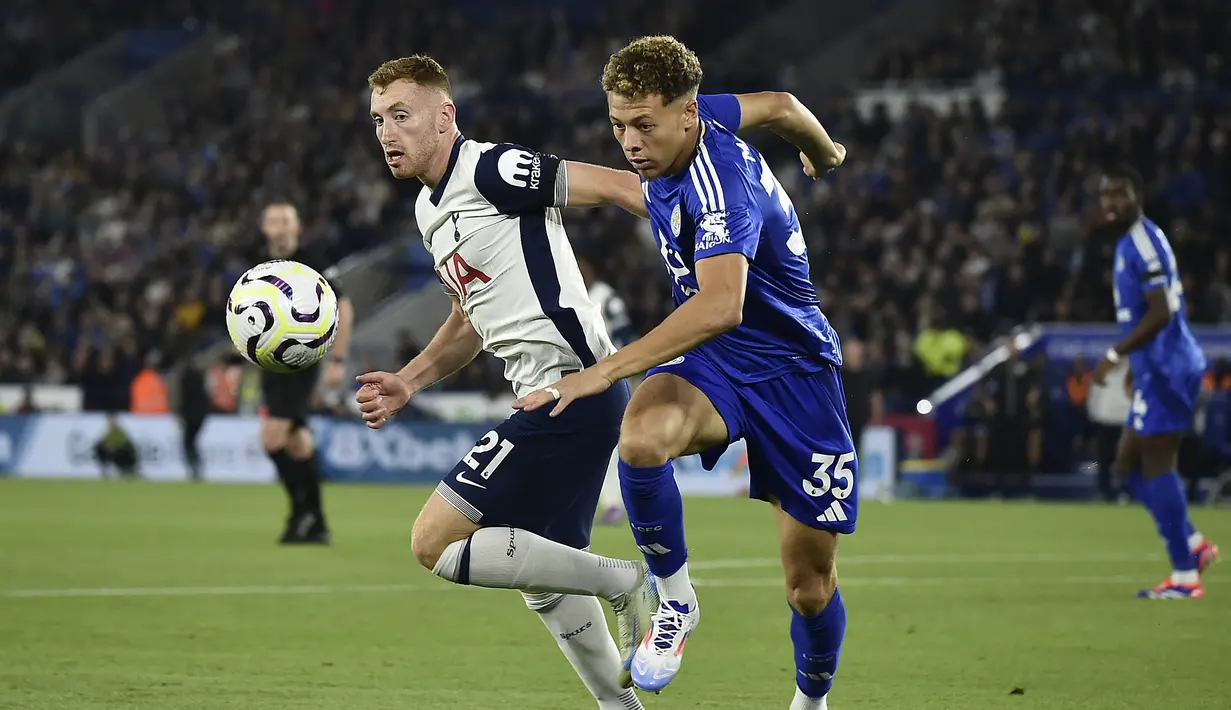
x: 288, y: 397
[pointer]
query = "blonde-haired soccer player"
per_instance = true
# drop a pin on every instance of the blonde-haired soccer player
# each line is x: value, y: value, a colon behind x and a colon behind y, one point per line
x: 747, y: 354
x: 516, y: 512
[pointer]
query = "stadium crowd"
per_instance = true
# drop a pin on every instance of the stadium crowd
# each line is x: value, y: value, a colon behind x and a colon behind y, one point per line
x: 112, y: 258
x: 940, y: 232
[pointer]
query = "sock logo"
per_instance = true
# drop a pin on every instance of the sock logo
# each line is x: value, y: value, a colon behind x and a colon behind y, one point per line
x: 651, y: 528
x: 654, y: 549
x: 576, y: 632
x: 824, y: 677
x: 512, y: 543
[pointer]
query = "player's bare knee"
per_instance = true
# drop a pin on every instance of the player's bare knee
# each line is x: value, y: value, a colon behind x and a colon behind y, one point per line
x: 432, y: 539
x: 275, y: 435
x: 300, y: 445
x: 426, y: 545
x: 643, y: 451
x: 810, y: 588
x: 643, y: 444
x: 810, y: 568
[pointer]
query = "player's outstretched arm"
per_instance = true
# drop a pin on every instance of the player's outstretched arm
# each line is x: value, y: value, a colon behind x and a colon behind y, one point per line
x: 786, y: 115
x: 717, y: 307
x: 341, y: 344
x: 384, y: 394
x: 593, y: 185
x: 453, y: 347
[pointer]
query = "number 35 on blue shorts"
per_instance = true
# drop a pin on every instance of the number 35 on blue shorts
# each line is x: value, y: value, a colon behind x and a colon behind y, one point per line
x: 799, y: 443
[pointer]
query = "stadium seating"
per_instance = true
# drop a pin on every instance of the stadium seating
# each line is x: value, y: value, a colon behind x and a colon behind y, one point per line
x: 979, y: 220
x: 145, y: 235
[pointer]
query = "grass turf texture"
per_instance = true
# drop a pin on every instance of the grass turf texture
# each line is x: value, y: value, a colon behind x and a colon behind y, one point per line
x: 170, y: 596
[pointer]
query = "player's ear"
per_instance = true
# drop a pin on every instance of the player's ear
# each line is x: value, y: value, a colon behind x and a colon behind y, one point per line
x: 446, y: 117
x: 691, y: 115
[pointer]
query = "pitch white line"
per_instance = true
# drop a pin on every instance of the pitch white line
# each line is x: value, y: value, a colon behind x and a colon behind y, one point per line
x: 942, y: 559
x: 215, y: 591
x: 926, y: 581
x: 300, y: 589
x: 721, y: 564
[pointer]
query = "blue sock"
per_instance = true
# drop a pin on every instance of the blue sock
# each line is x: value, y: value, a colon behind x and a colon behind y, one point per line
x: 818, y: 643
x: 656, y: 515
x: 1167, y: 503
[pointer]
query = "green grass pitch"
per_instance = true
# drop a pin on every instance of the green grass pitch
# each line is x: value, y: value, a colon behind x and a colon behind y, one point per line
x: 174, y: 596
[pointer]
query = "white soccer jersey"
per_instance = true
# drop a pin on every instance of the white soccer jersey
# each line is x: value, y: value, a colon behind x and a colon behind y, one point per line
x: 499, y: 248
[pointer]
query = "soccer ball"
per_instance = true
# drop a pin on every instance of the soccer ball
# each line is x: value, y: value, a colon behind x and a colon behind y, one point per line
x: 282, y: 315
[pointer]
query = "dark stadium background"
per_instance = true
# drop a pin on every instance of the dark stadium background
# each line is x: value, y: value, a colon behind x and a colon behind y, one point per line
x: 139, y: 141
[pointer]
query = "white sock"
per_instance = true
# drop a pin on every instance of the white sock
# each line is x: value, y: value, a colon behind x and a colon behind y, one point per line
x: 803, y: 702
x: 1195, y: 540
x: 610, y: 495
x: 678, y: 587
x: 580, y: 628
x: 1188, y: 576
x: 512, y: 558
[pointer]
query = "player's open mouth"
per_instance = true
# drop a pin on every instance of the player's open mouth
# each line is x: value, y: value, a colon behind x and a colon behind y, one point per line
x: 392, y: 156
x: 639, y: 163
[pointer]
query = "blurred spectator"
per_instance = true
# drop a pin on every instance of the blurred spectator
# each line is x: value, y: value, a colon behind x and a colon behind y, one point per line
x: 1077, y: 388
x: 115, y: 450
x: 27, y: 405
x: 941, y: 348
x: 971, y: 443
x: 1016, y: 427
x: 1035, y: 420
x: 862, y: 388
x: 192, y: 406
x: 149, y: 390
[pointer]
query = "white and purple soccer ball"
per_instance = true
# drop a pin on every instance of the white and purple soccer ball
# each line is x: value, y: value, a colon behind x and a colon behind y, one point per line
x: 282, y: 315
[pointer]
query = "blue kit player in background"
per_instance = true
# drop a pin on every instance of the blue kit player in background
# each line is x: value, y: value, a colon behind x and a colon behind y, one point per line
x: 1166, y: 369
x: 747, y: 353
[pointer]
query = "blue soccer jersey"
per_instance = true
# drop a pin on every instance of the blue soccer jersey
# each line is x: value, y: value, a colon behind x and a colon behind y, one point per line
x: 728, y: 201
x: 775, y: 378
x: 1167, y: 371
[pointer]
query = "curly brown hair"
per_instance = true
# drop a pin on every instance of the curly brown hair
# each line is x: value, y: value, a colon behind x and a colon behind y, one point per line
x: 657, y: 64
x: 418, y: 69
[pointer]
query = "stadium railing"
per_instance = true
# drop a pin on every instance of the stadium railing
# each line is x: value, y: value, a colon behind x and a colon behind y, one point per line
x: 795, y: 31
x: 840, y: 63
x: 49, y: 108
x: 1052, y: 350
x: 47, y: 96
x: 138, y: 106
x: 419, y: 312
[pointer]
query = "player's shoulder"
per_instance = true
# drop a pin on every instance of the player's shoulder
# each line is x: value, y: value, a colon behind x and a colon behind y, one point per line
x: 722, y: 109
x: 722, y: 173
x: 1143, y: 240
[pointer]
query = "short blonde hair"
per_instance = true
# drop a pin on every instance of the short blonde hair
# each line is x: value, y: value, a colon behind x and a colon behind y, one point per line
x: 657, y: 64
x: 418, y: 69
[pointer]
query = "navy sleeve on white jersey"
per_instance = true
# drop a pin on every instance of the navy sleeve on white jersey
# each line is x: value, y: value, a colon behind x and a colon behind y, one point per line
x: 728, y: 219
x: 516, y: 179
x: 721, y: 108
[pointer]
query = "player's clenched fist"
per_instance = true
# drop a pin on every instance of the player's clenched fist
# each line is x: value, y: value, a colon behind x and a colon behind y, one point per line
x: 810, y: 169
x: 381, y: 395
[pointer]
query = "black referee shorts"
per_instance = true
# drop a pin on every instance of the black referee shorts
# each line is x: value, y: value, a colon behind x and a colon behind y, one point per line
x: 289, y: 395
